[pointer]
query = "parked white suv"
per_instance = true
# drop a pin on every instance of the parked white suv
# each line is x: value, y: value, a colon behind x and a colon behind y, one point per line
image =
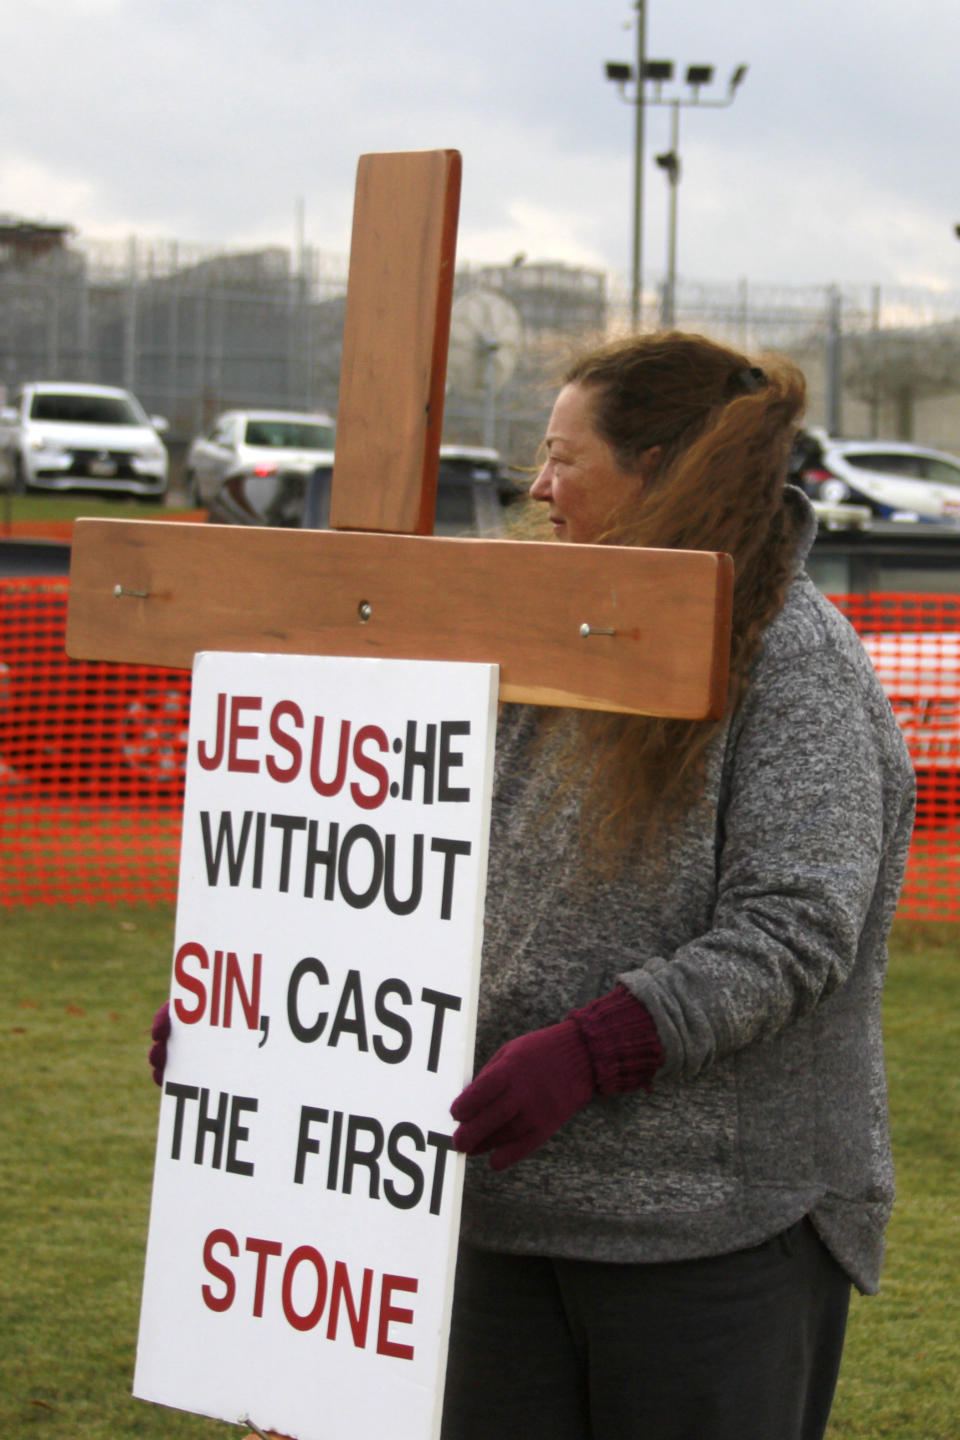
x: 55, y: 435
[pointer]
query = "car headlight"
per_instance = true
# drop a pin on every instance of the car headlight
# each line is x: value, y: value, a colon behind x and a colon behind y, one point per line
x: 50, y: 447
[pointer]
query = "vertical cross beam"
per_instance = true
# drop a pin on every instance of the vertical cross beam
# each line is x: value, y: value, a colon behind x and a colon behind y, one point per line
x: 395, y: 337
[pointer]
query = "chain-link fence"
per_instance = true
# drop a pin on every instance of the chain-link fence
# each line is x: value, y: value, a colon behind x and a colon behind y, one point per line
x: 879, y: 361
x: 194, y: 332
x: 190, y: 334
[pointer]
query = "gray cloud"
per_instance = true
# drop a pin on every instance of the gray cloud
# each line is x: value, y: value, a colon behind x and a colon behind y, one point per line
x: 210, y: 121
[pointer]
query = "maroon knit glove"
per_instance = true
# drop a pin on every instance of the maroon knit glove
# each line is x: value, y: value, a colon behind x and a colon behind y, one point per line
x: 622, y: 1039
x: 525, y: 1093
x: 159, y: 1034
x: 536, y: 1082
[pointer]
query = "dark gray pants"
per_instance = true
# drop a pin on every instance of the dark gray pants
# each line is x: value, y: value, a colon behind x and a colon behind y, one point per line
x: 741, y: 1347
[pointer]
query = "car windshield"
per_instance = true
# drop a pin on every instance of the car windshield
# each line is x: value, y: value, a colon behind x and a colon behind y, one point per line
x: 79, y: 409
x: 289, y: 435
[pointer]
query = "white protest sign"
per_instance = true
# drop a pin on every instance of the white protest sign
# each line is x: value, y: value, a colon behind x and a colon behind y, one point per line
x: 306, y: 1199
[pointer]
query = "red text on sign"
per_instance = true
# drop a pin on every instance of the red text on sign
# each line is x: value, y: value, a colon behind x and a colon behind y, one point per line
x: 306, y: 1291
x: 236, y: 746
x: 284, y: 742
x: 226, y: 983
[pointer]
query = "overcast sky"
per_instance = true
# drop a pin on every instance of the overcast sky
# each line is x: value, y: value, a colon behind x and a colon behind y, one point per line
x: 214, y: 121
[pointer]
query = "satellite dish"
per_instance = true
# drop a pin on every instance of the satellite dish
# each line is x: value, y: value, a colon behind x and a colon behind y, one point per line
x: 486, y: 335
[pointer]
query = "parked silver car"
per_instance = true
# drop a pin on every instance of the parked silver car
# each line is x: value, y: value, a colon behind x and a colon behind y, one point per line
x: 473, y: 491
x: 55, y: 435
x: 258, y: 442
x: 895, y: 478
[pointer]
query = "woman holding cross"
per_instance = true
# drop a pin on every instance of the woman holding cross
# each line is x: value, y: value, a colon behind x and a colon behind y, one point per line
x: 680, y: 1076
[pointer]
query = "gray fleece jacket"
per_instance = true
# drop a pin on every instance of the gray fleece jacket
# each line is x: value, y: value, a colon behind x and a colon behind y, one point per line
x: 757, y: 941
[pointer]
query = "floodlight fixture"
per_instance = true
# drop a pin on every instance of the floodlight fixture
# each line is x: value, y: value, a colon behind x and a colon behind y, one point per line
x: 640, y: 95
x: 698, y: 75
x: 658, y: 70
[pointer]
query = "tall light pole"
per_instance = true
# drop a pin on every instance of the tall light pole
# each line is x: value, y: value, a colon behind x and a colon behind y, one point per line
x: 670, y: 162
x: 622, y: 74
x: 636, y: 279
x: 657, y: 72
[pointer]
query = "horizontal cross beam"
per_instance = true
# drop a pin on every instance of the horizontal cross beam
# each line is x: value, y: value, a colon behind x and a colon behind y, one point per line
x: 657, y: 621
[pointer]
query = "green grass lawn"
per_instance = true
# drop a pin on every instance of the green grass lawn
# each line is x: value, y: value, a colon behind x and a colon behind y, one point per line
x: 78, y: 987
x: 900, y: 1376
x: 14, y: 508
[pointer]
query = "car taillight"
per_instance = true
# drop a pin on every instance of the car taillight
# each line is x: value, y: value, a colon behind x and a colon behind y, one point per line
x: 264, y: 468
x: 821, y: 484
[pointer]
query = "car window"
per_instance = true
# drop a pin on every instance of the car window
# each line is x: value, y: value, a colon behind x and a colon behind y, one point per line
x: 289, y: 435
x: 886, y: 463
x: 79, y: 409
x: 459, y: 471
x: 940, y: 471
x: 454, y: 514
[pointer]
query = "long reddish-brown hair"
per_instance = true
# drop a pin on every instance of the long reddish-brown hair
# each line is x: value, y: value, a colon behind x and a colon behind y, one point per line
x: 724, y: 428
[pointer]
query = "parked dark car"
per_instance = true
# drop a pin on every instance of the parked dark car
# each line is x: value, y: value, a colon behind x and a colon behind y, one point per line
x: 473, y: 491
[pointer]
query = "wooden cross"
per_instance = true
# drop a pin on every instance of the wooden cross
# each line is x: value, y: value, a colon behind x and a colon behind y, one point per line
x: 626, y: 629
x: 645, y: 631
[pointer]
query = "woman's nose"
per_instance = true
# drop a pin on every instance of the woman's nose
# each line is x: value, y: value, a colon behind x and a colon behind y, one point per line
x: 540, y: 489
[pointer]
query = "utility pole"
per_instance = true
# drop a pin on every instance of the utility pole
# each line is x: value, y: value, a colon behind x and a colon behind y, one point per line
x: 636, y: 280
x: 670, y: 162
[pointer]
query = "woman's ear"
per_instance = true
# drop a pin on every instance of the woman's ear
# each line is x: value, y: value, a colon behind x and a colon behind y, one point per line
x: 650, y: 461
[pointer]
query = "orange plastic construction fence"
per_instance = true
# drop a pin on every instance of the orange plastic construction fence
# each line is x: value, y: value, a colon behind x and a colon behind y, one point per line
x: 92, y: 760
x: 914, y: 643
x: 92, y: 755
